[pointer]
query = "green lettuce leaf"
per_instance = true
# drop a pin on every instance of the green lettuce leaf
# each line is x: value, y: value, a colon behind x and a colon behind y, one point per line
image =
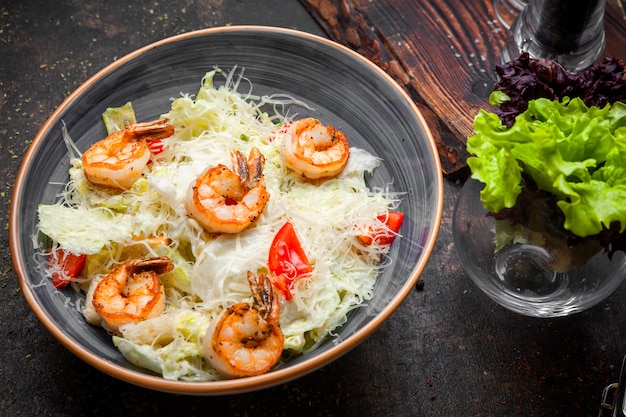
x: 117, y: 118
x: 575, y: 152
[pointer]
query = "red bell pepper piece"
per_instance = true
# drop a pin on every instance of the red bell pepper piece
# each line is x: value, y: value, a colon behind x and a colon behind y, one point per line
x: 287, y: 261
x: 65, y: 265
x: 156, y: 146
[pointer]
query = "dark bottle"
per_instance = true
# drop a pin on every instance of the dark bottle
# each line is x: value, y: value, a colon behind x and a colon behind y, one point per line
x: 568, y: 31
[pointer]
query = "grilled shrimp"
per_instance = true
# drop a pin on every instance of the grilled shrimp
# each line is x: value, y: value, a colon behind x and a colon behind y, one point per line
x: 132, y: 292
x: 313, y: 150
x: 228, y: 201
x: 119, y: 160
x: 247, y: 339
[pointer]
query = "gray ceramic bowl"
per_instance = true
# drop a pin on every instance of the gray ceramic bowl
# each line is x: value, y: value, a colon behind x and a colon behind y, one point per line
x: 341, y: 87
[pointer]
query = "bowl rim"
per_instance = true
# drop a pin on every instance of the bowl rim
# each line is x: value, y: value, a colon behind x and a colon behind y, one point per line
x: 234, y: 386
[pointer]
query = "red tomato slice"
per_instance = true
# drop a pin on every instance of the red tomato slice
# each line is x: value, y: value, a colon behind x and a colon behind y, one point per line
x: 384, y: 235
x: 65, y: 265
x: 287, y: 261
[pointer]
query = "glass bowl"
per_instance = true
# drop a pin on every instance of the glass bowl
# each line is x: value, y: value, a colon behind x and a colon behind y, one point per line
x: 519, y: 276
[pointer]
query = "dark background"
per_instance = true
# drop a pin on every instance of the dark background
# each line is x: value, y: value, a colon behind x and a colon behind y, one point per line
x: 447, y: 351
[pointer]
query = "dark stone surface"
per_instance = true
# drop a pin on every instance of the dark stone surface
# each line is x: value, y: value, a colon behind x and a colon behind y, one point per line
x: 447, y: 351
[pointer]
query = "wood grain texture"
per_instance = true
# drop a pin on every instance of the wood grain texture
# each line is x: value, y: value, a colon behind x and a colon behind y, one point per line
x: 443, y: 52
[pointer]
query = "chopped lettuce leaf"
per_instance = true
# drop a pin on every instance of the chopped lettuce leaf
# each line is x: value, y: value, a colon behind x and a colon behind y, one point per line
x: 116, y: 118
x: 88, y: 236
x: 177, y: 356
x: 498, y: 97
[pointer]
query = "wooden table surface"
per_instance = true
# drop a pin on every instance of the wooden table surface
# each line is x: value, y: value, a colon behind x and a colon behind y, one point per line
x: 443, y: 52
x: 447, y: 351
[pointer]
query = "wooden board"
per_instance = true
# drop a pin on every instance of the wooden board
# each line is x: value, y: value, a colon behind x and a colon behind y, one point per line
x: 443, y: 52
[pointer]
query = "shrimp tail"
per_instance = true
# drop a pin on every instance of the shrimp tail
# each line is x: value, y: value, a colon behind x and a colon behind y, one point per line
x: 160, y: 265
x: 256, y: 163
x: 250, y: 170
x: 240, y: 165
x: 262, y: 293
x: 150, y: 131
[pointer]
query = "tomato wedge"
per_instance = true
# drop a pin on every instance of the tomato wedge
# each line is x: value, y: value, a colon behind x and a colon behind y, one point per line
x: 65, y: 265
x: 387, y: 234
x: 287, y: 261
